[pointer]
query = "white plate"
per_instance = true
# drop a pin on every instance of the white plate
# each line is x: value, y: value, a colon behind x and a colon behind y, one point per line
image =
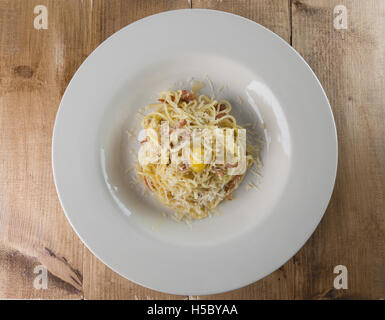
x: 259, y: 230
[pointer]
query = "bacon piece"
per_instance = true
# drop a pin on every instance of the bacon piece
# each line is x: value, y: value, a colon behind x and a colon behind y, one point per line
x: 187, y: 96
x: 220, y: 115
x: 229, y: 197
x: 182, y: 123
x: 161, y: 100
x: 231, y: 165
x: 219, y: 171
x: 222, y: 107
x: 183, y: 167
x: 230, y: 186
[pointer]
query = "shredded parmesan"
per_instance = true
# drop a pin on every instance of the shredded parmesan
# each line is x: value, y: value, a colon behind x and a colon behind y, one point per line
x: 192, y: 192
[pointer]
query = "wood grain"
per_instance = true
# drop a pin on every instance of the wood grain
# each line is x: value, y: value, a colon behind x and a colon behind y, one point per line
x: 274, y: 15
x: 109, y: 16
x: 33, y: 229
x: 35, y: 68
x: 351, y: 67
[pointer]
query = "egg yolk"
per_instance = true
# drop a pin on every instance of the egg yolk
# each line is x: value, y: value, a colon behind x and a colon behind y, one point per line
x: 197, y: 164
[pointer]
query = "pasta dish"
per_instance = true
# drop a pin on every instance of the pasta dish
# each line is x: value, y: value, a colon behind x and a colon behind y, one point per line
x: 191, y: 178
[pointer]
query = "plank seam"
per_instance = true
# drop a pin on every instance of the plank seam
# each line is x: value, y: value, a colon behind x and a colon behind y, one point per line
x: 291, y: 21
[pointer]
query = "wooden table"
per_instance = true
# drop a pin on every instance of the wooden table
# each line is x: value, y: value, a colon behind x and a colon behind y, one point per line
x: 35, y: 68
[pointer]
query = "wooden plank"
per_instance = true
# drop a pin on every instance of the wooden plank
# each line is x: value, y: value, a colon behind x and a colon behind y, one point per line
x: 274, y: 15
x: 108, y: 17
x: 351, y: 66
x: 35, y: 66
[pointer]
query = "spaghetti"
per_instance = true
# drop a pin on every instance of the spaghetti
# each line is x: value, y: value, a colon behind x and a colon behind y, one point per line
x: 191, y: 188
